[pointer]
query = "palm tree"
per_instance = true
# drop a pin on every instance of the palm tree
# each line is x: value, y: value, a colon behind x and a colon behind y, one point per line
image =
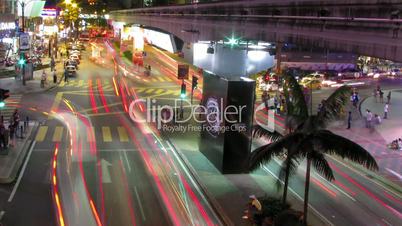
x: 308, y: 139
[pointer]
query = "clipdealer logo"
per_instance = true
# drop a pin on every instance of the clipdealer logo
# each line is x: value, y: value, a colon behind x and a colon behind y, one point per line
x: 211, y: 118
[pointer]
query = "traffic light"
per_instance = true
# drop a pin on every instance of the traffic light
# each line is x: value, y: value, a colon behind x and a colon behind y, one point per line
x: 194, y: 82
x: 22, y: 60
x: 4, y: 94
x: 183, y: 91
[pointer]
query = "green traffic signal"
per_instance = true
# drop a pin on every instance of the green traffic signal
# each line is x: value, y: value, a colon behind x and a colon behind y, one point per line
x: 2, y: 104
x: 21, y: 61
x: 183, y: 91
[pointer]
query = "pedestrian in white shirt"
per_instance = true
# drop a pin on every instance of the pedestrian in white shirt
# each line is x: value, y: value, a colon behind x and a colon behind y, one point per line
x: 386, y: 110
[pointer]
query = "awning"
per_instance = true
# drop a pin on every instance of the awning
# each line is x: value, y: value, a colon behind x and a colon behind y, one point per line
x: 32, y: 8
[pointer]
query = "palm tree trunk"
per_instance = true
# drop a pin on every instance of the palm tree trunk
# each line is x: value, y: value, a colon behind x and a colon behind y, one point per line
x: 306, y: 190
x: 285, y: 188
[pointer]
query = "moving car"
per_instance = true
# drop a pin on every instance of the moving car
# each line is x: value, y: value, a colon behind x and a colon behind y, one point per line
x: 71, y: 70
x: 311, y: 84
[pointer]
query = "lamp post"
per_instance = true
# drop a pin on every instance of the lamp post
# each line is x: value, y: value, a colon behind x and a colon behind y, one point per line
x: 23, y: 4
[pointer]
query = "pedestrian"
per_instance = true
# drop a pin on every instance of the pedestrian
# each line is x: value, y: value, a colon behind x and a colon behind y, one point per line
x: 369, y: 118
x: 3, y: 144
x: 381, y: 96
x: 65, y: 76
x: 12, y: 133
x: 43, y: 79
x: 386, y: 110
x: 400, y: 144
x: 349, y: 119
x: 54, y: 77
x: 375, y: 95
x: 389, y: 98
x: 377, y: 119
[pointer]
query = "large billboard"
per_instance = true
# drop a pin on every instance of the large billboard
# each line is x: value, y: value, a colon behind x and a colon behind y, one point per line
x: 226, y: 135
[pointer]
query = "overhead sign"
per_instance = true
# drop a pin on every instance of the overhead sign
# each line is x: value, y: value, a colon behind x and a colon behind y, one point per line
x: 24, y: 41
x: 182, y: 71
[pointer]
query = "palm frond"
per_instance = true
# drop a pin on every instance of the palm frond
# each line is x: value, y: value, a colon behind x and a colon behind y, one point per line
x: 295, y: 97
x: 291, y: 163
x: 265, y: 153
x: 331, y: 143
x: 335, y: 103
x: 259, y: 131
x: 321, y: 165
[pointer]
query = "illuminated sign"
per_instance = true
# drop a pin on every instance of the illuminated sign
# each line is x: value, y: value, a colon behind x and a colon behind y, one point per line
x: 159, y: 39
x: 7, y: 26
x: 49, y: 12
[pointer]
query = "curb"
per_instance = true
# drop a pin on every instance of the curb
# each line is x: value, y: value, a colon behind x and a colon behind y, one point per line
x: 26, y: 145
x: 225, y: 220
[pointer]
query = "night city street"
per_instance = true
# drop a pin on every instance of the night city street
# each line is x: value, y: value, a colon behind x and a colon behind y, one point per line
x: 259, y: 112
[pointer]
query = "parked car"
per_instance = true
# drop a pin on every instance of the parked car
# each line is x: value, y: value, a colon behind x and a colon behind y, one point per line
x: 71, y: 62
x: 71, y: 70
x: 76, y: 58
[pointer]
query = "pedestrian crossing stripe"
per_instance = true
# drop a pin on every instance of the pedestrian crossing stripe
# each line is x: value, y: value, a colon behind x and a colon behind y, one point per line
x: 40, y: 136
x: 58, y: 134
x: 122, y: 134
x: 108, y: 134
x: 11, y: 105
x: 106, y: 85
x: 158, y: 91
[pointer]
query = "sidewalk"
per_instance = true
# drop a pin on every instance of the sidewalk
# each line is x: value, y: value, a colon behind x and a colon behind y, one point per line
x: 375, y: 141
x: 12, y: 158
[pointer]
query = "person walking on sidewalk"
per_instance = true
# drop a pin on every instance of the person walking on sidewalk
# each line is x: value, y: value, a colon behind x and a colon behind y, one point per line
x: 54, y: 76
x: 381, y: 96
x: 43, y: 79
x: 3, y: 144
x: 369, y: 118
x: 65, y: 76
x: 11, y: 130
x: 389, y: 98
x: 386, y: 110
x: 375, y: 95
x: 349, y: 119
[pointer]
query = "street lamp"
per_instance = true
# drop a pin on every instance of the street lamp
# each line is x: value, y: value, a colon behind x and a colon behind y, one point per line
x: 23, y: 4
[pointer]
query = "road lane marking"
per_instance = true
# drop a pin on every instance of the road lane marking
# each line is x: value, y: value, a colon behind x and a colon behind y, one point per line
x: 122, y: 134
x: 139, y: 203
x: 2, y: 214
x: 336, y: 187
x: 56, y: 103
x: 107, y: 136
x: 399, y: 176
x: 80, y: 83
x: 160, y: 79
x: 58, y: 134
x: 159, y: 91
x: 10, y: 199
x: 149, y: 91
x: 40, y: 136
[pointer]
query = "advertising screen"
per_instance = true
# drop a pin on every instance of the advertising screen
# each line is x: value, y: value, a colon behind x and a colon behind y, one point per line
x: 226, y: 131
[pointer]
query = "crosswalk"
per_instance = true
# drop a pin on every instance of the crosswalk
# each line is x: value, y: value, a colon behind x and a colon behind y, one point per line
x: 11, y: 104
x: 82, y: 83
x: 158, y: 91
x: 105, y: 134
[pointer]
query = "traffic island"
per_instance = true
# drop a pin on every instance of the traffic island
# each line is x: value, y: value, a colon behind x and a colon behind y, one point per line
x: 12, y: 159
